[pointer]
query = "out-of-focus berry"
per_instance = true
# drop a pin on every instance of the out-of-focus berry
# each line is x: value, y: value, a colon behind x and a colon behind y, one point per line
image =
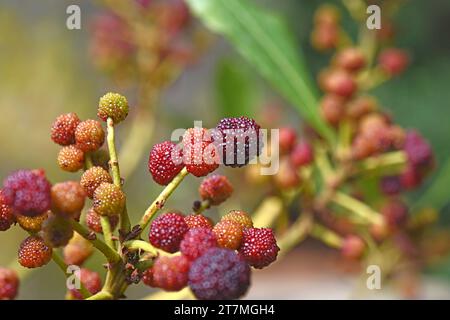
x: 338, y: 82
x: 288, y: 138
x: 393, y: 61
x: 353, y: 247
x: 9, y: 284
x: 395, y: 212
x: 91, y: 281
x: 57, y: 231
x: 78, y: 250
x: 287, y: 176
x: 361, y: 106
x: 216, y: 189
x: 68, y: 198
x: 303, y: 154
x: 325, y: 37
x: 350, y: 59
x: 93, y: 221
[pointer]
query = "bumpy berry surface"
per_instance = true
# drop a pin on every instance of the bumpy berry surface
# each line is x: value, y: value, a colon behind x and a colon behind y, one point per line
x: 34, y: 252
x: 169, y: 273
x: 239, y: 216
x: 216, y: 189
x: 78, y: 250
x: 199, y: 154
x: 219, y: 274
x: 418, y: 150
x: 197, y: 241
x: 240, y: 137
x: 9, y: 284
x: 167, y: 231
x: 259, y: 247
x: 93, y: 178
x: 6, y: 214
x: 94, y: 224
x: 114, y: 106
x: 63, y: 129
x: 395, y: 212
x: 228, y: 234
x: 57, y: 231
x: 161, y: 165
x: 89, y: 135
x: 68, y: 197
x: 198, y: 221
x: 109, y: 199
x: 303, y: 154
x: 32, y: 224
x: 71, y: 159
x: 353, y: 247
x: 28, y: 192
x: 91, y: 281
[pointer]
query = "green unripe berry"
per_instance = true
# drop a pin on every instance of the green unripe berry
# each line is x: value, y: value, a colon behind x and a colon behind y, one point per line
x: 114, y: 106
x: 109, y: 200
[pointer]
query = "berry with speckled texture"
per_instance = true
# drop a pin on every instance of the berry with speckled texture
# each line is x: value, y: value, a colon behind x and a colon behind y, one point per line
x: 169, y: 273
x: 239, y: 216
x: 167, y: 231
x: 91, y: 281
x: 28, y: 192
x: 57, y: 231
x: 216, y: 189
x: 197, y: 241
x: 199, y: 153
x: 78, y: 250
x: 228, y: 234
x: 9, y: 284
x: 68, y: 198
x: 109, y: 199
x: 34, y: 252
x: 89, y: 135
x: 353, y: 247
x: 114, y: 106
x: 198, y: 221
x: 93, y: 178
x: 259, y: 247
x: 63, y: 129
x: 238, y: 140
x: 32, y: 224
x: 165, y: 162
x: 6, y: 214
x: 94, y: 224
x: 71, y: 159
x: 147, y: 278
x: 219, y: 274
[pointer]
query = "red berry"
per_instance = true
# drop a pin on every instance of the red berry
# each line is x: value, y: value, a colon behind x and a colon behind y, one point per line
x: 332, y: 108
x: 34, y: 252
x: 216, y: 189
x: 169, y: 273
x: 350, y: 59
x: 259, y: 247
x: 353, y: 247
x: 228, y: 234
x: 6, y: 214
x: 167, y: 231
x: 92, y: 178
x: 78, y: 250
x: 63, y: 129
x: 91, y: 281
x: 288, y: 138
x: 325, y: 37
x: 199, y: 153
x: 240, y: 217
x: 109, y: 200
x: 219, y: 274
x: 338, y: 82
x: 165, y: 162
x: 303, y: 154
x: 287, y: 176
x: 32, y: 224
x: 393, y: 61
x: 68, y: 198
x: 89, y: 135
x: 198, y: 221
x: 28, y: 192
x: 418, y: 150
x: 238, y: 140
x: 9, y: 284
x: 327, y: 14
x: 395, y: 213
x: 71, y: 159
x: 94, y: 224
x: 114, y: 106
x: 411, y: 177
x: 197, y: 241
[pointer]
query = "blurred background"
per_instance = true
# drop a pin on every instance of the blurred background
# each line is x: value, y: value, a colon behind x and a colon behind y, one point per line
x: 47, y: 70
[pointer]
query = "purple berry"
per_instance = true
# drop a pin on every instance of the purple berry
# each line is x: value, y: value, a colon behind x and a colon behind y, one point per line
x: 418, y: 150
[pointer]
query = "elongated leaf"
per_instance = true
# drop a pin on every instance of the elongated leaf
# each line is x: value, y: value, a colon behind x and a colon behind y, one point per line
x: 265, y: 41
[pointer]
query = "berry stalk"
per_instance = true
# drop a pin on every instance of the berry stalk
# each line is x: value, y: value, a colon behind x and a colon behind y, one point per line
x: 357, y: 207
x: 141, y: 245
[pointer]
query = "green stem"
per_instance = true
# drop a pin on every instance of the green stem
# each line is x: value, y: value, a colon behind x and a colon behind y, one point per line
x: 141, y: 245
x: 107, y: 251
x: 106, y: 228
x: 162, y: 198
x: 327, y: 236
x: 357, y: 207
x: 102, y: 295
x: 204, y: 205
x: 60, y: 263
x: 389, y: 163
x: 296, y: 233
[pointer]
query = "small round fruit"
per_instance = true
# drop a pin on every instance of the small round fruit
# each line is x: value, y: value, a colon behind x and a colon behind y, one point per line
x: 216, y: 189
x: 197, y: 241
x: 57, y: 231
x: 198, y: 221
x: 114, y: 106
x: 109, y: 199
x: 63, y: 129
x: 259, y: 247
x: 199, y: 153
x: 71, y: 159
x: 78, y: 250
x: 6, y: 214
x: 353, y: 247
x: 34, y: 252
x: 228, y: 234
x: 350, y: 59
x: 32, y: 224
x: 239, y: 216
x: 169, y: 273
x: 93, y: 178
x: 167, y: 231
x: 91, y: 281
x: 302, y: 155
x: 287, y: 139
x: 89, y: 135
x: 68, y: 198
x: 165, y: 162
x: 393, y: 61
x: 9, y: 284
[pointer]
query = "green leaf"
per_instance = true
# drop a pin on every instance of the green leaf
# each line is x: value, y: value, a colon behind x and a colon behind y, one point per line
x: 235, y: 92
x: 265, y: 41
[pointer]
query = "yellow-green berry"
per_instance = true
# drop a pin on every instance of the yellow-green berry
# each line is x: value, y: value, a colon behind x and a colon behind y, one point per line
x: 109, y: 199
x: 114, y: 106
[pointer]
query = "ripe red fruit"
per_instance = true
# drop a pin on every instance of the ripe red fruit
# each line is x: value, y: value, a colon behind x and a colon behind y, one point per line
x: 395, y: 213
x: 198, y: 221
x: 34, y: 252
x: 238, y: 140
x: 31, y: 224
x: 28, y: 192
x: 239, y: 216
x: 71, y: 159
x: 165, y: 162
x: 332, y: 108
x: 168, y: 273
x: 338, y: 82
x: 63, y: 129
x: 393, y: 61
x: 78, y: 250
x: 303, y: 154
x: 325, y: 37
x: 216, y: 189
x: 353, y: 247
x: 93, y: 221
x: 411, y: 177
x: 167, y: 231
x: 114, y: 106
x: 197, y: 241
x: 361, y: 106
x: 287, y: 176
x: 57, y: 231
x: 6, y: 214
x: 350, y: 59
x: 288, y: 138
x: 109, y: 200
x: 68, y: 198
x: 219, y: 274
x: 89, y: 135
x: 259, y: 247
x: 199, y: 153
x: 228, y: 234
x: 91, y: 281
x: 92, y: 178
x: 9, y: 284
x: 418, y: 150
